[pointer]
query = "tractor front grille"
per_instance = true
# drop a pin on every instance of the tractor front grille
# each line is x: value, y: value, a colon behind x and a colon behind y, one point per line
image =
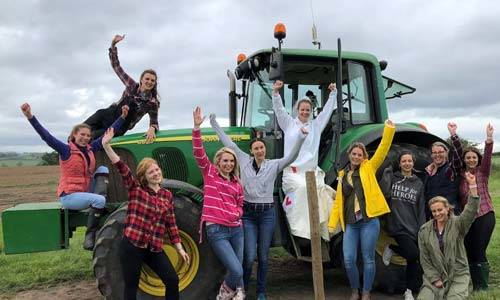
x: 172, y: 163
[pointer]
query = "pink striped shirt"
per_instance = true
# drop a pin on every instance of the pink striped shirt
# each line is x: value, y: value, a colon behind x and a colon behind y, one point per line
x: 222, y: 198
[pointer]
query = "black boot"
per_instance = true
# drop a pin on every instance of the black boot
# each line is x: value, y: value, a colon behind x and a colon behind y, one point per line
x: 475, y: 275
x: 92, y: 225
x: 484, y: 269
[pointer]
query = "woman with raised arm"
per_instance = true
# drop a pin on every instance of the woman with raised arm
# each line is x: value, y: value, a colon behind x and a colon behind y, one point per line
x: 358, y: 204
x: 442, y: 251
x: 478, y: 238
x: 81, y: 185
x: 150, y: 215
x: 258, y: 175
x: 294, y: 184
x: 443, y: 174
x: 141, y: 97
x: 222, y: 210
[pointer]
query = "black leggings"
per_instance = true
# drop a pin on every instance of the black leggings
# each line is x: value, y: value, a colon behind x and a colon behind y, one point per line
x: 478, y: 238
x: 408, y: 249
x: 102, y: 120
x: 131, y: 259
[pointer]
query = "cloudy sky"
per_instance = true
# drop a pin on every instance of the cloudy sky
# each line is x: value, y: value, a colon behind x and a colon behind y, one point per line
x: 54, y: 55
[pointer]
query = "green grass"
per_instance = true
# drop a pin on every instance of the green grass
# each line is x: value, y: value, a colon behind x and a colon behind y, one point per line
x: 19, y: 162
x: 36, y: 270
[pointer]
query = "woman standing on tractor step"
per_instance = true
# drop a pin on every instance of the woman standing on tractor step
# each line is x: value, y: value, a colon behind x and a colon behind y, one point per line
x: 142, y: 98
x: 294, y: 183
x: 405, y: 195
x: 81, y: 185
x: 258, y: 175
x: 358, y: 204
x: 443, y: 174
x: 442, y: 251
x: 222, y: 210
x: 478, y: 238
x: 150, y: 214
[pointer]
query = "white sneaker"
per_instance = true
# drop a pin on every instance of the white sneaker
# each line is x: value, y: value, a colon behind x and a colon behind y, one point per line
x: 225, y: 293
x: 386, y: 256
x: 408, y: 295
x: 240, y: 294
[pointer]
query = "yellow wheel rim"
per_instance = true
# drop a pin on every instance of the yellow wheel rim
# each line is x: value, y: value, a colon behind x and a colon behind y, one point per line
x: 151, y: 284
x: 383, y: 240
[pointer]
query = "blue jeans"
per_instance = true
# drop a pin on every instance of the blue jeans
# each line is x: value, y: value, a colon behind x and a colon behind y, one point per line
x: 82, y: 200
x: 259, y: 230
x: 367, y: 234
x: 227, y: 243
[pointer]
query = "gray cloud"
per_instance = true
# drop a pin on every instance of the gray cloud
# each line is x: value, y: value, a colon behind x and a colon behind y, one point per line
x: 54, y: 54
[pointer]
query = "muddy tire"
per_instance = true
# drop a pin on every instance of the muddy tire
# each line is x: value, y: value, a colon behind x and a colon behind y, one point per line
x: 198, y: 280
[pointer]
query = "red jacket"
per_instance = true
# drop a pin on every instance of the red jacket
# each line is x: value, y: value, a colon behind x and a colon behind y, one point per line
x: 76, y: 174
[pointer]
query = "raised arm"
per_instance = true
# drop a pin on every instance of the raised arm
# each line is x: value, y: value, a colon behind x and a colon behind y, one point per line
x: 384, y: 146
x: 292, y: 156
x: 326, y: 113
x: 60, y: 147
x: 455, y: 155
x: 282, y: 116
x: 471, y: 208
x: 198, y: 150
x: 97, y: 143
x: 115, y: 63
x: 488, y: 151
x: 128, y: 180
x: 226, y: 140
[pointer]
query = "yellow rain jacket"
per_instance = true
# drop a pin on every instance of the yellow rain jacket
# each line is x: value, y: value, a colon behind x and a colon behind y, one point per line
x: 375, y: 201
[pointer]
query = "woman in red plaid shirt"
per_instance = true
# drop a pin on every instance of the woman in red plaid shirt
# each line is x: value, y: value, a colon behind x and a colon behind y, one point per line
x: 222, y: 210
x: 478, y: 237
x: 150, y: 215
x: 142, y: 98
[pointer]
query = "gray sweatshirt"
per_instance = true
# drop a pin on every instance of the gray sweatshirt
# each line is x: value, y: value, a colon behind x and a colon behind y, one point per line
x: 258, y: 186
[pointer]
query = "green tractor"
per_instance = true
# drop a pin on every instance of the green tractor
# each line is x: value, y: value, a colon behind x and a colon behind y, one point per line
x: 360, y: 114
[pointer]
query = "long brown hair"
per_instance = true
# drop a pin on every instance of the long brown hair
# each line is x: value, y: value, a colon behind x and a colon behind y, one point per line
x: 77, y: 128
x: 154, y: 91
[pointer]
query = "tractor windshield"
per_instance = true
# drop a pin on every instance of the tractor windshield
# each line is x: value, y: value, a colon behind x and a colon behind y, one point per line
x: 310, y: 79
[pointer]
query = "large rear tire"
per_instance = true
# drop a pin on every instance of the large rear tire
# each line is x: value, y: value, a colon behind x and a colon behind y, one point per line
x: 198, y: 280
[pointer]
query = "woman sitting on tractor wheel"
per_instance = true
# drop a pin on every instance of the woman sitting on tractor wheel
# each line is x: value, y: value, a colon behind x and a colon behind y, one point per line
x: 150, y: 214
x: 81, y: 185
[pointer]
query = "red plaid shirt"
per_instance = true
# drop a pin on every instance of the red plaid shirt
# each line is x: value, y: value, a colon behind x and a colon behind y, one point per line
x: 482, y: 173
x: 132, y: 96
x: 149, y: 213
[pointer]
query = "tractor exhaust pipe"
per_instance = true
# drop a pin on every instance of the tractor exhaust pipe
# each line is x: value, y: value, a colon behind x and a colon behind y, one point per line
x: 232, y: 98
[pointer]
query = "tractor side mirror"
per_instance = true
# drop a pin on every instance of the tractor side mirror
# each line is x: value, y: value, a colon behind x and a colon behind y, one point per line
x: 276, y: 65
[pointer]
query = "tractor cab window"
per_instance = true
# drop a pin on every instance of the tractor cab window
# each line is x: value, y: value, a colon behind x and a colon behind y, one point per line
x: 360, y: 105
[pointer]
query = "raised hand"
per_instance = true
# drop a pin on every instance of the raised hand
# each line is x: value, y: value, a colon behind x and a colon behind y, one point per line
x: 197, y: 117
x: 125, y: 109
x: 489, y: 132
x: 116, y: 39
x: 332, y: 87
x: 471, y: 179
x: 389, y: 123
x: 26, y: 109
x: 452, y: 128
x: 107, y: 136
x: 278, y: 84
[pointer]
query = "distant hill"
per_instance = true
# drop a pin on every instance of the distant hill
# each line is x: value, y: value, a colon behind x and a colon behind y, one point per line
x: 13, y: 159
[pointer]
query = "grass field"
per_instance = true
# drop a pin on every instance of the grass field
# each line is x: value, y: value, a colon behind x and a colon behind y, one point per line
x: 37, y: 270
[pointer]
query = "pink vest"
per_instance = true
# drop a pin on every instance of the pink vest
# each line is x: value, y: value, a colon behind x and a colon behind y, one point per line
x: 75, y: 175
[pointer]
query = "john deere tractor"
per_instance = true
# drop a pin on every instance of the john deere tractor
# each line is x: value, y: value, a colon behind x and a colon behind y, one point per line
x: 360, y: 112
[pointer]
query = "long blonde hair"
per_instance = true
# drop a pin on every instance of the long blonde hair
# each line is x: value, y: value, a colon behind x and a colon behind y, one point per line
x: 217, y: 156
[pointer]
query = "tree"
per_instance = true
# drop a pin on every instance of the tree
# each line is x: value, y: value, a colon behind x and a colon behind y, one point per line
x: 50, y: 159
x: 465, y: 143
